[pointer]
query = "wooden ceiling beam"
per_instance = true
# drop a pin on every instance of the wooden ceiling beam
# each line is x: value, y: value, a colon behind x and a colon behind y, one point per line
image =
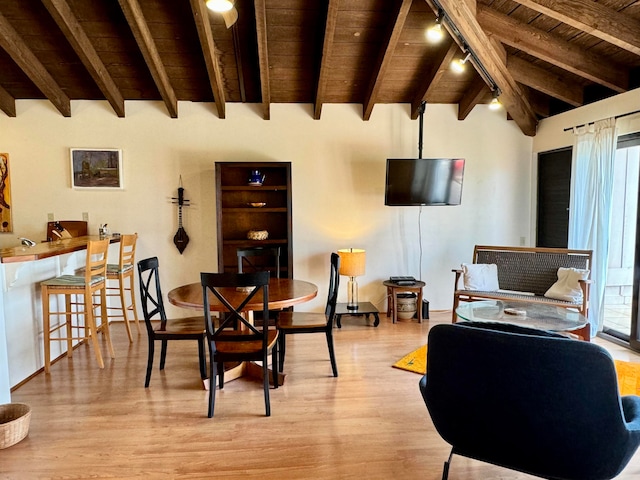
x: 477, y: 93
x: 463, y: 17
x: 263, y: 57
x: 593, y: 18
x: 13, y: 44
x: 441, y: 62
x: 140, y: 29
x: 79, y: 41
x: 539, y: 101
x: 327, y: 49
x: 384, y: 59
x: 560, y: 53
x: 7, y: 103
x: 540, y: 79
x: 203, y: 25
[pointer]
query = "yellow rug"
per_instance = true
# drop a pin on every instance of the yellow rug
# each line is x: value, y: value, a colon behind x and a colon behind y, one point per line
x: 416, y: 361
x: 628, y: 372
x: 628, y: 377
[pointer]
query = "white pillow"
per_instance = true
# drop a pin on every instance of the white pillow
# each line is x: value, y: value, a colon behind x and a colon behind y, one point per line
x: 480, y: 276
x: 567, y: 287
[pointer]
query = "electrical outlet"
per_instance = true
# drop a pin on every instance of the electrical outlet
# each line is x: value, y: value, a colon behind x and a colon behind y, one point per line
x: 85, y: 216
x: 49, y: 217
x: 523, y: 241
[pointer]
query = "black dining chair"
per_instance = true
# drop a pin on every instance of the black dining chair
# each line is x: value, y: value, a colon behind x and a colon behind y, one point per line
x: 259, y: 259
x: 313, y: 322
x: 191, y: 328
x: 236, y: 339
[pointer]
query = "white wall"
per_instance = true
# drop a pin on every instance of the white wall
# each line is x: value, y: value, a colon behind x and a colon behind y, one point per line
x: 338, y: 171
x: 551, y: 134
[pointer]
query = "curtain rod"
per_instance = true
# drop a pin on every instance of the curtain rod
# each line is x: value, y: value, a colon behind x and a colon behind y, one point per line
x: 616, y: 117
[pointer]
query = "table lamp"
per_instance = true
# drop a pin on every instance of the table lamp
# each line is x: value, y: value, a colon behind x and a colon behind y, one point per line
x: 352, y: 262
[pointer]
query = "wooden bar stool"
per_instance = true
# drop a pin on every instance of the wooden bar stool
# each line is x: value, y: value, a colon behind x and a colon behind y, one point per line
x: 124, y: 270
x: 92, y: 282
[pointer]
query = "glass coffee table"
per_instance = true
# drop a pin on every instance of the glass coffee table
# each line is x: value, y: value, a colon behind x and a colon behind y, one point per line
x: 525, y: 314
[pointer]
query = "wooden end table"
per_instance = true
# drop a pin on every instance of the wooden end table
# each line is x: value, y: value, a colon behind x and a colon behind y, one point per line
x: 393, y: 289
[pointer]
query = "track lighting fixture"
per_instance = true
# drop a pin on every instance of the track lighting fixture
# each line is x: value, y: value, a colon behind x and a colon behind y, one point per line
x: 435, y: 33
x: 458, y: 65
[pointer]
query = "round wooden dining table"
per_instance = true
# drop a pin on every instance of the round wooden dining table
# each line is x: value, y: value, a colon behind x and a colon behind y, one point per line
x: 283, y: 293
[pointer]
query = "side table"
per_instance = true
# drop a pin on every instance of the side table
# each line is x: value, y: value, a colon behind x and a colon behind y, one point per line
x: 364, y: 308
x: 392, y: 294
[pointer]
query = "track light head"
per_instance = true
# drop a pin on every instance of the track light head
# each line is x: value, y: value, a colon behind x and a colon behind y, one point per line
x: 495, y: 103
x: 458, y: 65
x: 435, y: 33
x: 219, y: 5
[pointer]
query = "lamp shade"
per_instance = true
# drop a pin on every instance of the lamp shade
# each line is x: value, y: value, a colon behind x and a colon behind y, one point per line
x: 352, y: 261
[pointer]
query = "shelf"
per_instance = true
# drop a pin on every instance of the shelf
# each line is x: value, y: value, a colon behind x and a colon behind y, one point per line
x: 246, y: 241
x: 273, y: 188
x: 254, y: 209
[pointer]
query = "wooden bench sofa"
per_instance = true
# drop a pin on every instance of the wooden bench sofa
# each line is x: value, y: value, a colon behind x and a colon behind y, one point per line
x: 525, y: 274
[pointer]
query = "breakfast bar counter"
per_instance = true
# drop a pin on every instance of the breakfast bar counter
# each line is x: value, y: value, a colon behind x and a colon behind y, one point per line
x: 47, y: 249
x: 22, y: 269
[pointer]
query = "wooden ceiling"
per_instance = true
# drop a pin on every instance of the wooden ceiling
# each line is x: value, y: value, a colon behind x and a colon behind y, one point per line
x: 545, y: 56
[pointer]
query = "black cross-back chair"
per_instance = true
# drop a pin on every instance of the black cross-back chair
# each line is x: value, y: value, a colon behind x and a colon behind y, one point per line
x: 258, y: 259
x: 314, y: 322
x: 236, y: 339
x: 191, y: 328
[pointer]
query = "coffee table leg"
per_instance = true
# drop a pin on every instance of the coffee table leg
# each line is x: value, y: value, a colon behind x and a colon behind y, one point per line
x: 338, y: 317
x: 377, y: 320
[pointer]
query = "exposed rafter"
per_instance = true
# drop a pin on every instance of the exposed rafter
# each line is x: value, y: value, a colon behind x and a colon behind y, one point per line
x: 384, y: 59
x: 201, y: 18
x: 263, y: 56
x: 464, y: 17
x: 544, y: 81
x: 76, y: 36
x: 477, y: 93
x: 11, y: 42
x: 545, y: 46
x: 327, y: 48
x: 7, y: 103
x: 593, y: 18
x: 146, y: 44
x: 446, y: 52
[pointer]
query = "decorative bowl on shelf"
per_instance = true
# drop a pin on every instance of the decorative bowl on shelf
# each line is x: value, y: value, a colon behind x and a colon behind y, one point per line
x: 257, y: 204
x: 257, y: 234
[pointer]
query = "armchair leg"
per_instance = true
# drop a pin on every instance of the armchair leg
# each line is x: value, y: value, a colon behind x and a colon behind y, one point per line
x: 445, y: 470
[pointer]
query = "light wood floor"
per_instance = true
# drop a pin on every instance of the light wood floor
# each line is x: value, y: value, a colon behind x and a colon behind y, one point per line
x: 370, y: 422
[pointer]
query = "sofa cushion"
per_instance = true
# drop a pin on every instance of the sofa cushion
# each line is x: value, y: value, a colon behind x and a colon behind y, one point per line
x: 480, y: 276
x: 567, y: 287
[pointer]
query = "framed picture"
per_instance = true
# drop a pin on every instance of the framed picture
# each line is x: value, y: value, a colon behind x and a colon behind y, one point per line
x: 96, y: 168
x: 6, y: 224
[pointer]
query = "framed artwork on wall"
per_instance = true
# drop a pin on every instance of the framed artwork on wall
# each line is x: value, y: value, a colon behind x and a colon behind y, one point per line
x: 93, y: 168
x: 6, y: 225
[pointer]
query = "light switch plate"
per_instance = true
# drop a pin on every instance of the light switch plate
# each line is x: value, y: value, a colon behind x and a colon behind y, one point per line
x: 49, y: 217
x: 85, y: 216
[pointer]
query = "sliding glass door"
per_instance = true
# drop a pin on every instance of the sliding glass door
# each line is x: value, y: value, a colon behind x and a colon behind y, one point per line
x: 621, y: 292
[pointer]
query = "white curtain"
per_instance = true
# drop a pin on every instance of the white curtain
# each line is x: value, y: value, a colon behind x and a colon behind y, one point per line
x: 590, y: 204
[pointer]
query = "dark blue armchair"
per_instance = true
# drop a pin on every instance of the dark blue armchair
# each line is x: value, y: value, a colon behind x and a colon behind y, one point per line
x: 528, y: 400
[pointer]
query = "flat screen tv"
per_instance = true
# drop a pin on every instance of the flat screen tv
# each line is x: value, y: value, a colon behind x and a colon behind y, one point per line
x: 424, y: 181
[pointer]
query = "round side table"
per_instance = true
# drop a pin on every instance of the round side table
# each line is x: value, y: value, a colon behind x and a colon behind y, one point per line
x: 392, y: 294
